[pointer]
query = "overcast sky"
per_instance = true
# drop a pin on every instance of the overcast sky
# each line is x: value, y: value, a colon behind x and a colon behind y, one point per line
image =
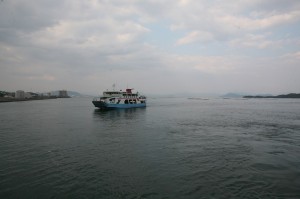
x: 154, y: 46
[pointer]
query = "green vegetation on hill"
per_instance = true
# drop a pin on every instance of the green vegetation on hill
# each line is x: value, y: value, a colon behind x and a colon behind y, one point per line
x: 291, y: 95
x: 3, y: 93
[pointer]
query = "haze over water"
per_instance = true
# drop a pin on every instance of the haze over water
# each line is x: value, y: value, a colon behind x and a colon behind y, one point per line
x: 174, y: 148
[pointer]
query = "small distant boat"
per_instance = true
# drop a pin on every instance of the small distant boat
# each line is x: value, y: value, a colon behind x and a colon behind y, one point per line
x: 120, y: 99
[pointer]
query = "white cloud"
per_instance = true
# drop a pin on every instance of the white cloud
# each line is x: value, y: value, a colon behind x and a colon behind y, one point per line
x: 195, y: 36
x: 292, y: 60
x: 83, y: 42
x: 227, y: 20
x: 256, y: 41
x: 93, y: 33
x: 216, y: 65
x: 248, y: 23
x: 45, y: 77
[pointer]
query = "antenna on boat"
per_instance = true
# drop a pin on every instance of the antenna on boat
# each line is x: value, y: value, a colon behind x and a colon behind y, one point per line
x: 114, y: 85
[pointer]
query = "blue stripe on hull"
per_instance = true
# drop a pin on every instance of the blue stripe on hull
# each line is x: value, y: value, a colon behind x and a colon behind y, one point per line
x: 125, y: 105
x: 115, y: 106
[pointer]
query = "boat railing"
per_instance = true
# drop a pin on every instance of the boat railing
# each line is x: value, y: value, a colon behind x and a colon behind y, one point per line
x: 96, y: 99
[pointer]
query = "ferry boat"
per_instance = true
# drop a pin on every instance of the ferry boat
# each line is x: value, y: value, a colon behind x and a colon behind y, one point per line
x: 120, y: 99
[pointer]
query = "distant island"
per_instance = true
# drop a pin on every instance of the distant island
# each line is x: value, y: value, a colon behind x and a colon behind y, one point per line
x: 291, y: 95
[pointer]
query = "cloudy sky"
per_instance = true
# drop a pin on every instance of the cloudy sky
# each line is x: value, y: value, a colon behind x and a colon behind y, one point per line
x: 154, y: 46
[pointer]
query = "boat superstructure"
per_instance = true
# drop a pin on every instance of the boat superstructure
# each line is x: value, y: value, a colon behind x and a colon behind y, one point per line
x: 120, y: 99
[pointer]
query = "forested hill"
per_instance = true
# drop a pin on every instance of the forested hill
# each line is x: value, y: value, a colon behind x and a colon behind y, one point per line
x: 291, y: 95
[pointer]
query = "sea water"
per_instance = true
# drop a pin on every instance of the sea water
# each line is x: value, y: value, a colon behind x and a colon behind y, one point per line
x: 173, y: 148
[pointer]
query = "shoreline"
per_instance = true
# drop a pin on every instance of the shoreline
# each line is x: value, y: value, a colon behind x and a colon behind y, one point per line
x: 289, y: 96
x: 4, y: 100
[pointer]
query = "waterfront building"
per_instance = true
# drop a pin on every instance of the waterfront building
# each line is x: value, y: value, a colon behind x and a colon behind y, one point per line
x: 20, y: 94
x: 32, y: 95
x: 28, y: 95
x: 63, y: 93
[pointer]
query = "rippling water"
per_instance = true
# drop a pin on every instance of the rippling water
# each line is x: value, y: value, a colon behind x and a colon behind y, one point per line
x: 174, y: 148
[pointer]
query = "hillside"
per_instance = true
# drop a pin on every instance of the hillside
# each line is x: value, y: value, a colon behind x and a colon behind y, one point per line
x: 291, y: 95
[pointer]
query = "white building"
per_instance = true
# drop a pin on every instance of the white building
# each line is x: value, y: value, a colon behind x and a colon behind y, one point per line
x: 63, y: 93
x: 28, y: 95
x: 20, y: 94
